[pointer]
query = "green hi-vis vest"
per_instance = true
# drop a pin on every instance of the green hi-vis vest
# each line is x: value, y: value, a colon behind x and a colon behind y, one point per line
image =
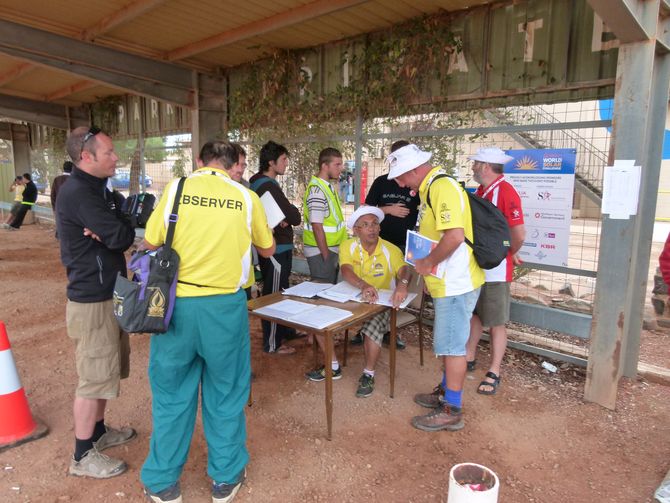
x: 333, y: 225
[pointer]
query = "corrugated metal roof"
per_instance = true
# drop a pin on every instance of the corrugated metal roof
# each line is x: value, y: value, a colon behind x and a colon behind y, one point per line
x: 173, y: 24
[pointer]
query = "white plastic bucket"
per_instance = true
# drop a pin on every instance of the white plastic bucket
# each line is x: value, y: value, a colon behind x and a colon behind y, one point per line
x: 472, y: 483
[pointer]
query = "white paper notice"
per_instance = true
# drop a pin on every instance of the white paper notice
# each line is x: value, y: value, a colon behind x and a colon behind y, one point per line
x: 306, y: 289
x: 621, y: 188
x: 273, y: 212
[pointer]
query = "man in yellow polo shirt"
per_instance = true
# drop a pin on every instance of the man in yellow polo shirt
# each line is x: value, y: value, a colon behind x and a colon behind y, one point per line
x: 369, y: 263
x: 207, y: 343
x: 444, y: 217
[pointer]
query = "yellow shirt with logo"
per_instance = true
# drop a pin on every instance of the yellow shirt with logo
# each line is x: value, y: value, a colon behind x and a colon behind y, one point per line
x: 379, y: 269
x: 450, y: 210
x: 218, y: 221
x: 18, y: 192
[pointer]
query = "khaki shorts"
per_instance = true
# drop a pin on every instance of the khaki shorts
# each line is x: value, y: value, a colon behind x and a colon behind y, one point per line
x: 102, y: 349
x: 493, y: 304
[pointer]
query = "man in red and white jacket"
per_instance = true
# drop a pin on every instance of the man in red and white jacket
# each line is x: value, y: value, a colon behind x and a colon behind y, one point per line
x: 493, y: 306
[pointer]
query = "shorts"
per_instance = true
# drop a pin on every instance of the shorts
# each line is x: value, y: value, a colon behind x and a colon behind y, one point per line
x: 15, y: 208
x: 375, y: 328
x: 452, y: 323
x: 493, y: 304
x: 102, y: 349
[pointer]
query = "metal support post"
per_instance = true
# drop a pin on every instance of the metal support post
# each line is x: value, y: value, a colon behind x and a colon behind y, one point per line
x: 359, y: 160
x: 617, y: 242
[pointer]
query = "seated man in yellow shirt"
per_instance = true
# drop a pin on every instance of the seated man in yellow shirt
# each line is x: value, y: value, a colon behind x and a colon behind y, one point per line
x: 370, y: 263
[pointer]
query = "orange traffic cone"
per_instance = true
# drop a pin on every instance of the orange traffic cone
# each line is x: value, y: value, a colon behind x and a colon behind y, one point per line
x: 16, y: 422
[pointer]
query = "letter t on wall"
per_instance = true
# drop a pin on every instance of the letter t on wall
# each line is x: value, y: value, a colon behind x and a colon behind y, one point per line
x: 529, y: 28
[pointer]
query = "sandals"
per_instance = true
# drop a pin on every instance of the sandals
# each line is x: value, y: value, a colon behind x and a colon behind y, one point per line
x: 494, y: 385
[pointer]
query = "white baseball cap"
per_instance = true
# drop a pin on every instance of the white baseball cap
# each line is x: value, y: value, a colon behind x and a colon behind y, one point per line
x: 362, y: 211
x: 491, y: 155
x: 406, y: 159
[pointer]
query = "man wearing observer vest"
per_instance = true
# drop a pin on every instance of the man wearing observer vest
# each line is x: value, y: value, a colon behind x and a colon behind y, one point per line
x: 448, y: 221
x: 492, y: 308
x: 207, y: 343
x: 272, y: 162
x: 94, y: 234
x: 324, y: 223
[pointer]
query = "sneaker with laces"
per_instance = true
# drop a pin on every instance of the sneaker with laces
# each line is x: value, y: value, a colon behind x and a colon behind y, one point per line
x: 96, y: 465
x: 171, y: 494
x: 430, y: 400
x: 225, y: 493
x: 319, y: 374
x: 114, y: 437
x: 366, y: 385
x: 445, y: 417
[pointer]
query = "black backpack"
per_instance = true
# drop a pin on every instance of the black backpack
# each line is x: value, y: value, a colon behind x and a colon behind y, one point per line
x: 489, y: 229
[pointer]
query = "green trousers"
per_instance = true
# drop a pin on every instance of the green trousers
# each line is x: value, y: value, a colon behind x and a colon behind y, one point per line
x: 206, y: 347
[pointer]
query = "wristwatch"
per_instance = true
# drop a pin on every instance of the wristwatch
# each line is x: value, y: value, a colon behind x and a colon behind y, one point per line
x: 404, y: 281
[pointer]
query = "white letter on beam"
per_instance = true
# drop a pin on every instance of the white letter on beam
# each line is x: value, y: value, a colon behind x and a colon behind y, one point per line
x: 597, y: 43
x: 457, y: 58
x: 529, y: 29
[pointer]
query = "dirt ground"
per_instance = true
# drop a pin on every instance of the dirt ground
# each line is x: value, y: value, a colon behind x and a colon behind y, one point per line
x: 545, y: 443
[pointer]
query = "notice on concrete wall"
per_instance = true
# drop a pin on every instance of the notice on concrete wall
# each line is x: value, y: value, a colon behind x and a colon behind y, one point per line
x: 545, y: 180
x: 621, y: 189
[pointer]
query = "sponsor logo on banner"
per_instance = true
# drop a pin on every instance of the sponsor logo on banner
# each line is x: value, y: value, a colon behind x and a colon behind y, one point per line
x: 550, y: 235
x: 530, y: 245
x: 548, y: 247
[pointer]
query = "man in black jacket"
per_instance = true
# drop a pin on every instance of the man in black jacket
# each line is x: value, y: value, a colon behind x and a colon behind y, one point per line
x: 29, y: 199
x: 272, y: 162
x: 93, y: 236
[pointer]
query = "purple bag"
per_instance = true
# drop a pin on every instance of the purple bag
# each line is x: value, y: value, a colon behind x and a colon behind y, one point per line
x: 146, y: 303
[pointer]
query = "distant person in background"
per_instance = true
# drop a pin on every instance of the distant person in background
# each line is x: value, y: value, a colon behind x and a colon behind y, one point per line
x: 273, y: 162
x: 17, y: 187
x: 57, y: 184
x: 29, y: 198
x: 400, y: 206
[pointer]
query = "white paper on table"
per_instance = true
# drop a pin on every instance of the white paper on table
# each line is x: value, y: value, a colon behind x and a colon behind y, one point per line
x: 284, y: 309
x: 342, y: 292
x: 321, y: 316
x: 621, y: 189
x: 385, y: 299
x: 273, y: 212
x: 306, y: 289
x: 310, y: 315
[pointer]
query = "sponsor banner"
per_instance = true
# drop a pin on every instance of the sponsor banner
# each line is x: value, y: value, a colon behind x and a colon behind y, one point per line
x: 545, y: 182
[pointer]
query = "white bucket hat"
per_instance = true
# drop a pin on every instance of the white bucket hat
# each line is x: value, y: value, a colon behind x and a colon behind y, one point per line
x: 406, y: 159
x: 362, y: 211
x: 491, y: 155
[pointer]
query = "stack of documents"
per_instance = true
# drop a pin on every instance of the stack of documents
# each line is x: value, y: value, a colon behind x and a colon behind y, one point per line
x: 302, y: 313
x: 306, y: 289
x: 344, y: 292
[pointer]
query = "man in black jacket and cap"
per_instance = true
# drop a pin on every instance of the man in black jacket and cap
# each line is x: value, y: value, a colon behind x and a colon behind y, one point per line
x: 93, y: 236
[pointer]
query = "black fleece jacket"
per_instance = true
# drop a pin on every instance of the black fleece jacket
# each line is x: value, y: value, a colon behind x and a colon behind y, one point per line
x: 92, y: 266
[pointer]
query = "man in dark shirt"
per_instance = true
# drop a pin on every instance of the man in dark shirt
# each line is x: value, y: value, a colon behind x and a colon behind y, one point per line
x: 273, y: 161
x: 400, y: 206
x: 93, y: 236
x: 401, y: 209
x: 29, y: 200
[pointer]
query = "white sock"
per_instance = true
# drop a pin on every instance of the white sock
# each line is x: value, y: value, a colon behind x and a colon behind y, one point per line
x: 371, y: 373
x: 334, y: 365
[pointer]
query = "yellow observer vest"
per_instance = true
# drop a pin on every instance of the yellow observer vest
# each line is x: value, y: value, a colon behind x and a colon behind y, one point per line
x: 333, y: 225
